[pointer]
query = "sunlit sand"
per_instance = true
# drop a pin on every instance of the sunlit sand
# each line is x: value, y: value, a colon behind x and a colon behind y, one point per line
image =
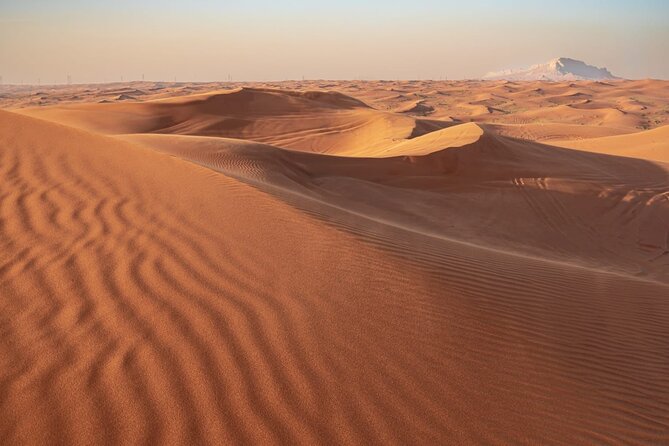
x: 349, y: 262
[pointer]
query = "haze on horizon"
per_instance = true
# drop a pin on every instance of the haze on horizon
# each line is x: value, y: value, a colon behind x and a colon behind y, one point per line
x: 202, y: 40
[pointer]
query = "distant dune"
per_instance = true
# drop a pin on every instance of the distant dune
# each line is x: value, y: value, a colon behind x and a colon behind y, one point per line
x: 290, y: 264
x: 311, y: 121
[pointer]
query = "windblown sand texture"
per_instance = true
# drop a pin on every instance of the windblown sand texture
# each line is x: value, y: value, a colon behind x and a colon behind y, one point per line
x: 335, y: 263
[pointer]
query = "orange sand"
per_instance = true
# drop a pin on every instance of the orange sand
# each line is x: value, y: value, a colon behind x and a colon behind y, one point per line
x: 273, y: 265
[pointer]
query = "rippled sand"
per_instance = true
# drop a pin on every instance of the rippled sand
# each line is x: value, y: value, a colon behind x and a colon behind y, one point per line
x: 369, y: 263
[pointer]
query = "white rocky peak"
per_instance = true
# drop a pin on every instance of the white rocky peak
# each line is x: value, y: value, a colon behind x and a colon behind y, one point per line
x: 560, y: 69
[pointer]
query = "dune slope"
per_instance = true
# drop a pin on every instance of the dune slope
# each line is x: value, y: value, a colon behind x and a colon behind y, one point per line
x: 651, y: 144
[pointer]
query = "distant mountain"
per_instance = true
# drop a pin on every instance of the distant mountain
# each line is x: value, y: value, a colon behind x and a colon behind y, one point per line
x: 560, y: 69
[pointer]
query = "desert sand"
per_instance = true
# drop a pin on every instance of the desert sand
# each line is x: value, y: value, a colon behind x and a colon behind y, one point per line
x: 400, y: 262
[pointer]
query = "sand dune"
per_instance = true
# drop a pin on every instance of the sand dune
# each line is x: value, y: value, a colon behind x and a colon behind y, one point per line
x: 650, y: 145
x: 290, y: 267
x: 324, y: 122
x: 550, y: 133
x: 566, y: 205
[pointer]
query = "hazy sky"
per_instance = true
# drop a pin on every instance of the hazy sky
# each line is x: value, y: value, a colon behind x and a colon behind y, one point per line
x: 382, y: 39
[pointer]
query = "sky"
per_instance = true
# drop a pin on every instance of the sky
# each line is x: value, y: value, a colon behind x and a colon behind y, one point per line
x: 44, y: 41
